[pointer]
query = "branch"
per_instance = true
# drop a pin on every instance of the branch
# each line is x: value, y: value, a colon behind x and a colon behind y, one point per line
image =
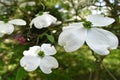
x: 109, y: 73
x: 98, y: 62
x: 5, y: 4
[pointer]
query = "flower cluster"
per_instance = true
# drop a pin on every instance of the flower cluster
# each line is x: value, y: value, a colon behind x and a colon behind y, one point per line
x: 71, y: 38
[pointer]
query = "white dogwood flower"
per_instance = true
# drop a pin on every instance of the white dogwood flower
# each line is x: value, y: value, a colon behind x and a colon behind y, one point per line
x: 99, y: 40
x: 43, y: 21
x: 8, y: 28
x: 39, y: 56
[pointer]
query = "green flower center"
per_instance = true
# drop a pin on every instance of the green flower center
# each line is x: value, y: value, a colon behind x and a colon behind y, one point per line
x: 87, y: 24
x: 41, y: 54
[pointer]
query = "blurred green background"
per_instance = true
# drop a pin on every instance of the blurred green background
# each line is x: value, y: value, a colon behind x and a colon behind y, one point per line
x: 78, y: 65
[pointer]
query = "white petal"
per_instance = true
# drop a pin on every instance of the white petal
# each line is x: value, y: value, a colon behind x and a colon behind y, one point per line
x: 6, y: 28
x: 73, y: 26
x: 17, y: 22
x: 100, y: 20
x: 72, y: 39
x: 37, y: 22
x: 30, y: 63
x: 47, y: 63
x: 48, y: 49
x: 1, y: 22
x: 100, y: 41
x: 33, y: 51
x: 36, y: 49
x: 51, y: 18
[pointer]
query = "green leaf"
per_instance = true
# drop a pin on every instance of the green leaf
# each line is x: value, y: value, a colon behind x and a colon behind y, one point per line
x: 50, y: 38
x: 21, y: 73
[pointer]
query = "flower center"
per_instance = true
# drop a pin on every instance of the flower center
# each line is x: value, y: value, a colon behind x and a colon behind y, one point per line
x: 87, y: 24
x: 41, y: 54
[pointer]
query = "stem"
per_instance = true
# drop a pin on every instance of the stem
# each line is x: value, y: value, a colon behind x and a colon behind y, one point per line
x: 38, y: 38
x: 42, y: 6
x: 90, y: 76
x: 97, y: 71
x: 109, y: 73
x: 98, y: 63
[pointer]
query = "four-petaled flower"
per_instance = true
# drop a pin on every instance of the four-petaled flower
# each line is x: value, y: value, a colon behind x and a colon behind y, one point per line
x: 39, y: 56
x: 43, y: 21
x: 8, y: 28
x: 99, y: 40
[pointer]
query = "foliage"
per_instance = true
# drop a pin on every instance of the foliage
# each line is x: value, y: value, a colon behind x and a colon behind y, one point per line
x: 78, y: 65
x: 72, y: 66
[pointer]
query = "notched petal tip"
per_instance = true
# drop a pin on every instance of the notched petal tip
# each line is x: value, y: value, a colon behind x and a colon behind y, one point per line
x: 72, y: 39
x: 29, y: 63
x: 33, y: 51
x: 102, y: 51
x: 100, y: 41
x: 48, y: 49
x: 53, y: 19
x: 47, y: 64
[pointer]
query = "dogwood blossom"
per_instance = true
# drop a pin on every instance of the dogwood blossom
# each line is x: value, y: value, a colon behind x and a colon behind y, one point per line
x: 99, y: 40
x: 39, y: 56
x: 43, y: 21
x: 8, y: 28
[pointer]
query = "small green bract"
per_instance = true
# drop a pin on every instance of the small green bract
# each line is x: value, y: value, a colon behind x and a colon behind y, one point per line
x: 87, y: 24
x: 41, y: 54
